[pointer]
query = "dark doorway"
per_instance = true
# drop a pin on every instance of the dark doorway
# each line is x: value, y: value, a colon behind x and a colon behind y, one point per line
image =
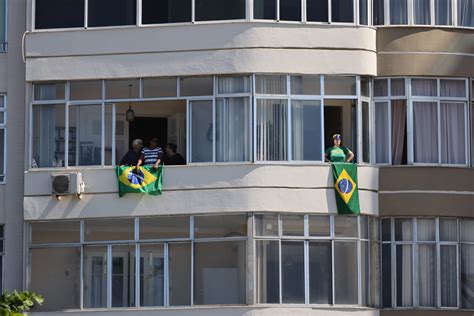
x: 148, y: 127
x: 332, y: 123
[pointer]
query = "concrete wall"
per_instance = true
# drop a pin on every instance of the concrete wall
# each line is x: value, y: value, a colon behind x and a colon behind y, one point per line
x: 223, y: 48
x: 201, y: 189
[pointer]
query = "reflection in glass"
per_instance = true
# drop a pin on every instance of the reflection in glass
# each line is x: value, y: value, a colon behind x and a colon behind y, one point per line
x: 268, y: 271
x: 292, y: 262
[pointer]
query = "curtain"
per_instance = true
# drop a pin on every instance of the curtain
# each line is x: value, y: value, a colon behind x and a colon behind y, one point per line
x: 233, y: 129
x: 453, y: 88
x: 466, y: 12
x: 382, y: 149
x: 427, y: 275
x: 398, y: 12
x: 443, y: 14
x: 467, y: 275
x: 233, y: 84
x: 378, y: 12
x: 448, y: 267
x: 399, y: 115
x: 48, y: 137
x: 404, y: 275
x: 453, y: 137
x: 380, y: 87
x: 272, y: 84
x: 306, y: 130
x: 272, y: 119
x: 397, y: 87
x: 424, y: 87
x: 201, y: 131
x: 425, y: 123
x: 421, y: 12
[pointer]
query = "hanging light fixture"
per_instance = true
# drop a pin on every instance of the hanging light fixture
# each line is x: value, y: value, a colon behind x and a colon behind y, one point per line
x: 130, y: 114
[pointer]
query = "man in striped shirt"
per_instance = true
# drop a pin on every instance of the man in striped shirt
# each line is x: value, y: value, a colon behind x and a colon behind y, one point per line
x: 151, y: 155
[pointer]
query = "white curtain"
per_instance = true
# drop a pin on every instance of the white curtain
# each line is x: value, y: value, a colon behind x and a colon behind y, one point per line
x: 235, y: 84
x: 382, y: 133
x: 425, y: 123
x: 404, y: 275
x: 424, y: 87
x: 48, y: 138
x: 399, y: 114
x: 427, y: 275
x: 233, y: 129
x: 466, y: 12
x: 448, y: 267
x: 453, y: 88
x: 443, y: 14
x: 380, y: 87
x: 453, y: 133
x: 421, y: 12
x: 272, y: 122
x: 306, y: 130
x: 397, y: 87
x: 398, y: 12
x: 273, y: 84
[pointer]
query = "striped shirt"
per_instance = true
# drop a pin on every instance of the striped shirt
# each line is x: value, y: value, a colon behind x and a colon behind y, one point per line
x: 150, y: 156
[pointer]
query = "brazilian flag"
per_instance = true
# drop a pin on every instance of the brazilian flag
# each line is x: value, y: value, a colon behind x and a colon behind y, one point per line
x: 345, y: 185
x: 144, y: 180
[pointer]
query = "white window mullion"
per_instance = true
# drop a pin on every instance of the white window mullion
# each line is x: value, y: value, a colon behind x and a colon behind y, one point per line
x: 415, y: 282
x: 321, y: 80
x: 306, y: 271
x: 66, y: 129
x: 280, y: 284
x: 109, y: 276
x: 410, y: 12
x: 454, y: 6
x: 254, y: 121
x: 386, y: 12
x: 359, y: 122
x: 289, y: 142
x: 114, y: 127
x: 438, y: 265
x: 137, y: 275
x: 193, y: 11
x: 410, y: 126
x: 432, y: 12
x: 102, y: 136
x: 214, y: 113
x: 139, y: 14
x: 166, y: 292
x: 359, y: 265
x: 329, y: 11
x: 355, y: 5
x: 278, y: 10
x: 393, y: 254
x: 86, y: 14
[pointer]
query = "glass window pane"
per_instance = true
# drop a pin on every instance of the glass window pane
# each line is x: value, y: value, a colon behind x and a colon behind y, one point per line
x: 264, y: 9
x: 465, y: 13
x: 61, y: 265
x: 293, y: 225
x: 375, y: 285
x: 109, y: 229
x: 95, y: 277
x: 339, y: 85
x: 290, y: 10
x: 292, y: 274
x: 397, y: 87
x: 403, y: 229
x: 179, y: 274
x: 378, y: 12
x: 386, y: 275
x: 85, y: 90
x: 319, y: 226
x: 208, y: 10
x: 425, y: 121
x: 467, y: 275
x: 201, y: 131
x: 449, y: 276
x: 453, y: 88
x: 307, y: 130
x: 421, y: 12
x: 365, y: 272
x: 345, y: 226
x: 111, y: 12
x: 365, y: 86
x: 233, y: 129
x: 342, y: 11
x: 123, y: 276
x: 306, y: 85
x: 233, y: 84
x: 220, y: 279
x: 159, y: 87
x: 271, y: 84
x: 266, y: 225
x: 365, y: 132
x: 386, y: 229
x: 398, y: 12
x: 317, y: 11
x: 448, y: 229
x: 380, y: 87
x: 2, y: 152
x: 424, y: 87
x: 49, y: 91
x: 272, y: 120
x: 51, y: 14
x: 48, y: 135
x: 85, y: 137
x: 268, y: 271
x: 364, y: 227
x: 122, y: 89
x: 320, y: 273
x: 220, y: 226
x: 363, y: 10
x: 55, y: 232
x: 382, y: 132
x: 374, y: 228
x: 404, y: 275
x: 426, y: 229
x: 166, y: 11
x: 164, y: 227
x: 345, y: 271
x: 443, y: 14
x: 427, y: 275
x: 467, y: 230
x: 197, y: 86
x: 152, y: 275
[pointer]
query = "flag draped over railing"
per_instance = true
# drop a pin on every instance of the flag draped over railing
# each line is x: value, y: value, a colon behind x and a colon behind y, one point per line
x: 346, y: 188
x: 142, y: 180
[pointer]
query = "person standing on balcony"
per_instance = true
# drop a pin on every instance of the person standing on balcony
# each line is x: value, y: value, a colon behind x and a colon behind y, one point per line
x: 338, y: 153
x: 151, y: 155
x: 132, y: 156
x: 172, y: 157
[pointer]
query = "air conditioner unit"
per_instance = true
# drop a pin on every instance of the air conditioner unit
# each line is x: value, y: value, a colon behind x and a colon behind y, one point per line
x: 67, y: 184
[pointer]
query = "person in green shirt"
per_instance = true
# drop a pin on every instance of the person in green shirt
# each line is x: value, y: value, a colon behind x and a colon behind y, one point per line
x: 338, y: 153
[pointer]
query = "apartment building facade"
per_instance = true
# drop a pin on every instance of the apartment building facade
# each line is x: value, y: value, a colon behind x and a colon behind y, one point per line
x: 251, y: 92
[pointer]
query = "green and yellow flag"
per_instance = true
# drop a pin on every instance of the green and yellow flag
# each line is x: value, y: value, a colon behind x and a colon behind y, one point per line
x: 345, y: 185
x: 144, y: 180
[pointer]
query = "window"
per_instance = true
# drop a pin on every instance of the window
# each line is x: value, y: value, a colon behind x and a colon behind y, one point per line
x: 378, y: 12
x: 290, y: 10
x: 364, y: 12
x: 342, y: 11
x: 467, y: 260
x: 51, y: 14
x: 320, y: 251
x: 264, y: 9
x: 3, y: 138
x: 3, y: 25
x: 208, y: 10
x: 111, y: 12
x: 424, y: 252
x: 421, y: 12
x: 2, y: 253
x: 166, y: 11
x: 398, y: 12
x: 466, y: 13
x: 317, y: 11
x: 443, y: 12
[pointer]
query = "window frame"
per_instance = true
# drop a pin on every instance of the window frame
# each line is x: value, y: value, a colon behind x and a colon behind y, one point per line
x: 3, y: 127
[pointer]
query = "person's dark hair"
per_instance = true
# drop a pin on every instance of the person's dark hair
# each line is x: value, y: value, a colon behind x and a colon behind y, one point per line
x: 173, y: 147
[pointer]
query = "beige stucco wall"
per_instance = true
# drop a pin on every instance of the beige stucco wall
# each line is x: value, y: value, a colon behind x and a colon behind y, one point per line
x: 216, y: 48
x: 202, y: 189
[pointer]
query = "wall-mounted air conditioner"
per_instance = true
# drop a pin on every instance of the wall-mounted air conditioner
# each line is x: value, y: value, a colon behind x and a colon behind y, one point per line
x: 69, y: 183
